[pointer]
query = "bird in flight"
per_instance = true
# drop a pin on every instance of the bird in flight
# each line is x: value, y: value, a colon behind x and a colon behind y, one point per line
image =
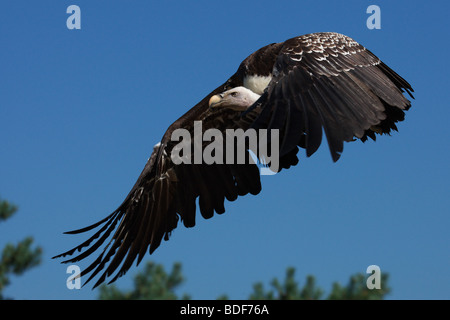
x: 304, y: 87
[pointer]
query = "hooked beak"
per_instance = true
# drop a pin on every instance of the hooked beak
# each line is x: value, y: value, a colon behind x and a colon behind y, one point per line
x: 215, y: 100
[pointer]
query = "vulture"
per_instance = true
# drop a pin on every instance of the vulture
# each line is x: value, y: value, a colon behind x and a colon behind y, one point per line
x: 301, y: 89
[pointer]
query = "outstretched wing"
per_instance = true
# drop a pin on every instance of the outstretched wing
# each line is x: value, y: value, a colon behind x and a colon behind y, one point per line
x: 329, y: 82
x: 165, y: 193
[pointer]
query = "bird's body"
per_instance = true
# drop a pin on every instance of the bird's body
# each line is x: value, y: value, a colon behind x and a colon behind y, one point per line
x: 320, y: 82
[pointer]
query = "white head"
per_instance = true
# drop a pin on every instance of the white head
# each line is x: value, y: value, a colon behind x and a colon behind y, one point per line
x: 239, y: 98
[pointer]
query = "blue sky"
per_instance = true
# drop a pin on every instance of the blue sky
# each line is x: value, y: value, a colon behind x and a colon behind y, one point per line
x: 81, y: 110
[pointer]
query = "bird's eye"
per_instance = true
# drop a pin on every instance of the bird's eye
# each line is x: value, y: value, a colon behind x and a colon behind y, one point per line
x: 234, y: 94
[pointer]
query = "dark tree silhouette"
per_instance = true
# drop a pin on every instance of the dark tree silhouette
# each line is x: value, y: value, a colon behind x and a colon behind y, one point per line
x: 16, y: 258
